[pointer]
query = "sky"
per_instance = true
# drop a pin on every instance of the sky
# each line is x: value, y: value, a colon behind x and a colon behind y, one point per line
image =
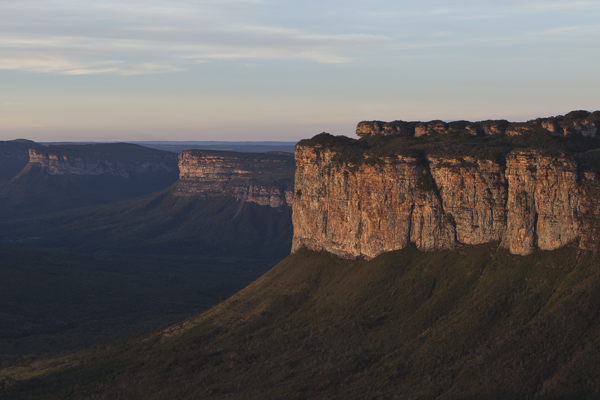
x: 244, y: 70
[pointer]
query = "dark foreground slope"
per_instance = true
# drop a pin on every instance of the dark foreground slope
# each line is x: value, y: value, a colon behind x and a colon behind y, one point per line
x: 50, y: 302
x: 475, y: 323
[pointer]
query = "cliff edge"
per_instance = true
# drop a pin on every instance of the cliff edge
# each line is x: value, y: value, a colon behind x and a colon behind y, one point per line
x: 265, y: 179
x: 119, y: 159
x: 582, y: 123
x: 361, y: 198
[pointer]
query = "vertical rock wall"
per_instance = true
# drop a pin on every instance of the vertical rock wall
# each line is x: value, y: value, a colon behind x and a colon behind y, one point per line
x: 265, y: 179
x: 527, y: 200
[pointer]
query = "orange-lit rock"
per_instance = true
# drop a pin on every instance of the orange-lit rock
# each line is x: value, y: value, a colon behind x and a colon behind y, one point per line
x: 528, y: 200
x: 265, y: 179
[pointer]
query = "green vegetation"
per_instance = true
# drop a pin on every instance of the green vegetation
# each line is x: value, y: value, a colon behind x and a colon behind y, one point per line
x: 373, y: 148
x: 471, y: 323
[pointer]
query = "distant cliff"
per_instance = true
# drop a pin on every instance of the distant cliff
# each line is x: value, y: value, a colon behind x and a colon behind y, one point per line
x: 574, y: 123
x: 119, y: 159
x: 266, y: 179
x: 361, y: 198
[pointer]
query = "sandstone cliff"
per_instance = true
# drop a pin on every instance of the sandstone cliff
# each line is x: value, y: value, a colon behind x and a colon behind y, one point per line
x: 119, y: 159
x: 358, y: 201
x: 574, y: 123
x: 266, y: 179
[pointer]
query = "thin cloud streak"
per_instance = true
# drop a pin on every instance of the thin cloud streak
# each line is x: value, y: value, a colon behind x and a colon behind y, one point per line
x: 135, y: 37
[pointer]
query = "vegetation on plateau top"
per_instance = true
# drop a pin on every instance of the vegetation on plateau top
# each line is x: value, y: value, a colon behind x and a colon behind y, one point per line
x: 460, y: 142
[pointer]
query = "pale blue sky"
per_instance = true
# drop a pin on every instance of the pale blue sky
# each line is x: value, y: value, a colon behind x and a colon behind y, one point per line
x: 286, y: 70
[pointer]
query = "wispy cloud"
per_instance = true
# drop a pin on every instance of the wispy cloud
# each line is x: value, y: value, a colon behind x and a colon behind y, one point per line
x: 133, y: 37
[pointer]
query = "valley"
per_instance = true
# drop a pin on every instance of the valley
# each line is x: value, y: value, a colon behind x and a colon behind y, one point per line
x: 97, y: 245
x: 471, y: 323
x: 429, y: 260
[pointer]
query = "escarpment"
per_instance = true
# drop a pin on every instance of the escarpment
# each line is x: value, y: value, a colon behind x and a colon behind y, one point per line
x: 266, y: 179
x: 361, y: 198
x: 118, y: 159
x: 574, y: 123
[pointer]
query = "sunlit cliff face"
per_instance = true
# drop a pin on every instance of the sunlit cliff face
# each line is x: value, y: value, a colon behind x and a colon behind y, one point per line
x: 524, y: 199
x: 262, y: 179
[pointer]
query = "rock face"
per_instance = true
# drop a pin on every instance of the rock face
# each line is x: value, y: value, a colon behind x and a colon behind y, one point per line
x: 526, y: 200
x: 119, y: 159
x: 574, y: 123
x: 266, y: 179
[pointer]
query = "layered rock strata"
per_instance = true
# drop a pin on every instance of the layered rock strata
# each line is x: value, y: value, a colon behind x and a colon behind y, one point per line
x: 119, y: 159
x: 265, y: 179
x: 574, y: 123
x: 526, y: 200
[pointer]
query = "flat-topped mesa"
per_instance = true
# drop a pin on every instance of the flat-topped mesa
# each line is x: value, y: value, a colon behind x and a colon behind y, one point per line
x: 581, y: 123
x: 265, y: 179
x: 119, y: 159
x: 357, y: 201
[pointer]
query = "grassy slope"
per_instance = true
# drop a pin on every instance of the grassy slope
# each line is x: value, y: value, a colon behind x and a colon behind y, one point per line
x: 473, y: 323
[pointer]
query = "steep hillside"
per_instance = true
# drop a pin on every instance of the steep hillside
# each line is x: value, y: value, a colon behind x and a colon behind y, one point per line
x: 472, y: 323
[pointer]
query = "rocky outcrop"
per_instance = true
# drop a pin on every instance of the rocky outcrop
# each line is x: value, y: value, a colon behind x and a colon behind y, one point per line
x: 119, y: 159
x: 266, y: 179
x: 526, y: 200
x: 582, y: 123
